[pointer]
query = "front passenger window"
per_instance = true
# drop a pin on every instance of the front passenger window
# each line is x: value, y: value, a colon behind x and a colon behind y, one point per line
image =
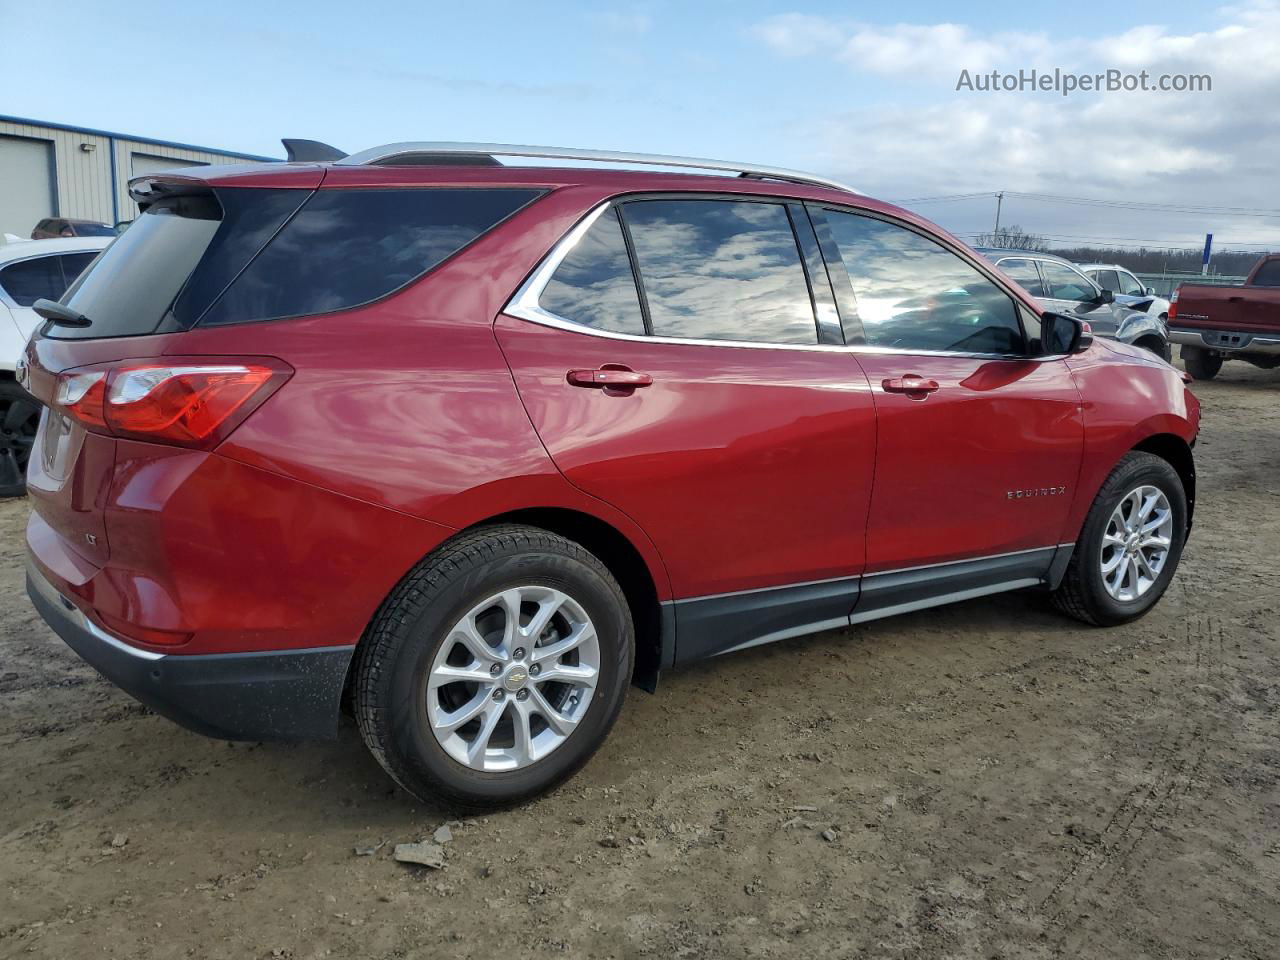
x: 914, y: 294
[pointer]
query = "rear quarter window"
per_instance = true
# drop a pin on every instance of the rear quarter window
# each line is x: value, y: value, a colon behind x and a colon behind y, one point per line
x: 28, y: 280
x: 348, y: 247
x: 1268, y: 275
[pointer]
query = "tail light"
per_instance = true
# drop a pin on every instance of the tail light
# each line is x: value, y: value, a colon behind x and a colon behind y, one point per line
x: 189, y: 403
x: 1173, y: 306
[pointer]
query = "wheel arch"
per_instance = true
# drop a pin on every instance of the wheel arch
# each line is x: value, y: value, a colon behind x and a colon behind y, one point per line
x: 1177, y: 452
x: 655, y: 631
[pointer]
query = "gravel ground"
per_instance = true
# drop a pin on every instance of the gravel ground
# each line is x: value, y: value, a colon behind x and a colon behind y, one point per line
x: 985, y: 780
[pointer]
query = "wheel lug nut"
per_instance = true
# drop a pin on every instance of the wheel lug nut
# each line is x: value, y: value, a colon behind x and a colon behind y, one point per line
x: 495, y: 670
x: 522, y: 695
x: 535, y: 669
x: 519, y: 654
x: 498, y: 694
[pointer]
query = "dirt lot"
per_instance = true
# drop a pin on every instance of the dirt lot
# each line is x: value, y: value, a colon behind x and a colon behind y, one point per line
x: 998, y: 782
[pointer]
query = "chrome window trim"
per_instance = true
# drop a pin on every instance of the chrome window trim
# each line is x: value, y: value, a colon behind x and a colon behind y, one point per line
x: 524, y: 305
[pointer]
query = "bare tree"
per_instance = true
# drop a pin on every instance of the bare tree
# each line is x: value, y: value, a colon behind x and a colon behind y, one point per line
x: 1012, y: 238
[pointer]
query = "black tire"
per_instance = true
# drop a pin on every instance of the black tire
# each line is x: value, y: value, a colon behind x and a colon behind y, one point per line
x: 1154, y: 345
x: 1082, y: 593
x: 19, y: 418
x: 1201, y: 364
x: 395, y: 657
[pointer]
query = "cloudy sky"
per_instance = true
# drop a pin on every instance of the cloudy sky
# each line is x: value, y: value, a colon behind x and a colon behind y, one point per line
x: 865, y: 94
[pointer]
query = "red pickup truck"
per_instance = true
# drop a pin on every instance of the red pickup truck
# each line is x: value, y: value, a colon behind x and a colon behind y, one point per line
x: 1215, y: 322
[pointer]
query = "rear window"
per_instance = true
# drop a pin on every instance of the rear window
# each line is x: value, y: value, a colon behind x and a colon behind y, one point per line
x: 1268, y: 275
x: 345, y: 248
x: 93, y: 230
x: 130, y: 288
x: 248, y: 254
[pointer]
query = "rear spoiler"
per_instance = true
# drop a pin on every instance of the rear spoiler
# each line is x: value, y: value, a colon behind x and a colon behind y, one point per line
x: 310, y: 151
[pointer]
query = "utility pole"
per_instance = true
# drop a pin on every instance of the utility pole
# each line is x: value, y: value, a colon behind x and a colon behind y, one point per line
x: 999, y: 203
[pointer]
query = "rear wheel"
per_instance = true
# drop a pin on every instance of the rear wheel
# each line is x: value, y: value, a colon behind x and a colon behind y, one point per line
x: 1130, y: 545
x: 1154, y: 345
x: 496, y: 668
x: 1201, y: 364
x: 19, y: 417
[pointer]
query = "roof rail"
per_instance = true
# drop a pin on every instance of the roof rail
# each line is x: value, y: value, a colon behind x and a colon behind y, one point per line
x: 486, y: 154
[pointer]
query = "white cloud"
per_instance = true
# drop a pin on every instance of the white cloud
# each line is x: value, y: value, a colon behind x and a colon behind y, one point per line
x: 626, y: 22
x: 902, y: 48
x: 1206, y: 148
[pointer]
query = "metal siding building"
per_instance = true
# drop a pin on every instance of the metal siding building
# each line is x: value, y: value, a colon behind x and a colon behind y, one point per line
x: 56, y: 170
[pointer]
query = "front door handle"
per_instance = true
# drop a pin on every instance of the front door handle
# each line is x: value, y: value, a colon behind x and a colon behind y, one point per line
x: 612, y: 378
x: 915, y: 387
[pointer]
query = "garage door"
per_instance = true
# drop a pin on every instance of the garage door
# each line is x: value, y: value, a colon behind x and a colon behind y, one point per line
x: 144, y: 163
x: 26, y: 184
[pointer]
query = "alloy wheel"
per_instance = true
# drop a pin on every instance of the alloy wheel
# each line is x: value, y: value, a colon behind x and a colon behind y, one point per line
x: 513, y: 679
x: 1136, y: 543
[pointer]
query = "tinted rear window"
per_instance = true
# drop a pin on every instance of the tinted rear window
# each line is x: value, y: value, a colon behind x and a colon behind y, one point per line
x: 93, y: 230
x: 28, y: 280
x: 1268, y: 275
x: 349, y: 247
x: 240, y: 254
x: 130, y: 288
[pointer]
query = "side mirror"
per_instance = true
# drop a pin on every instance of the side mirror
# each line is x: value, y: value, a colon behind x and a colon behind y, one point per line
x: 1151, y: 291
x: 1105, y: 296
x: 1062, y: 334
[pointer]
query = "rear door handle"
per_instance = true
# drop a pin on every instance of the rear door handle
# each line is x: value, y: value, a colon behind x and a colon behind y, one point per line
x: 607, y: 377
x: 917, y: 388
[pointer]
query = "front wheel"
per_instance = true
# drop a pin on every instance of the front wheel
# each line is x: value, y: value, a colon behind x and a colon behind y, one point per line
x: 19, y: 418
x: 1201, y: 364
x: 1130, y: 545
x: 496, y: 668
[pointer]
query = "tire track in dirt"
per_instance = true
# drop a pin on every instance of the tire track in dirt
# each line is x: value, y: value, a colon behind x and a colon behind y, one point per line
x: 1089, y: 887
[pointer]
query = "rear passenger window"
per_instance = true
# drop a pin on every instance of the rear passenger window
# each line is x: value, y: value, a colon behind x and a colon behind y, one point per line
x: 28, y: 280
x: 1268, y: 275
x: 1025, y: 274
x: 914, y: 294
x: 594, y: 285
x: 721, y: 270
x: 1107, y: 280
x: 348, y: 247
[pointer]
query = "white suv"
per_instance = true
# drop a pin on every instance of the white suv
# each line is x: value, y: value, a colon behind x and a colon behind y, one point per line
x: 29, y: 270
x: 1127, y: 288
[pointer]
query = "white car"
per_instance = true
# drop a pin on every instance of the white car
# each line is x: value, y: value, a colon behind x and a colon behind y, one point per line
x: 1127, y: 288
x: 29, y: 270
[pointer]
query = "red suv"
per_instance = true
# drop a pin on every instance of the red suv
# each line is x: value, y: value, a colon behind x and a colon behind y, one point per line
x: 470, y: 447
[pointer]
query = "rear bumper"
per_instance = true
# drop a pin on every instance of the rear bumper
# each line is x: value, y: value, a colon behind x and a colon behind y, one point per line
x: 287, y: 695
x: 1226, y: 341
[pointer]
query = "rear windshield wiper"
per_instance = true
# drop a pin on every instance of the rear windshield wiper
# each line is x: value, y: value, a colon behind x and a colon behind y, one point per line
x: 62, y: 315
